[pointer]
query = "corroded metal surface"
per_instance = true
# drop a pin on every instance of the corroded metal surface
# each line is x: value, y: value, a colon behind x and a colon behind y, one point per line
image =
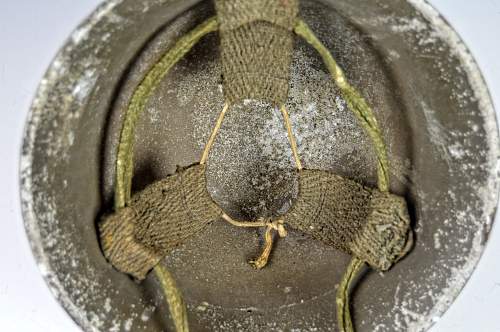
x: 427, y: 94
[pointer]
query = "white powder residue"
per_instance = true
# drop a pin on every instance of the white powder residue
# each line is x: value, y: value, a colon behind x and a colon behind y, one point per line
x: 103, y: 11
x: 115, y: 326
x: 456, y: 151
x: 147, y: 313
x: 437, y: 241
x: 128, y: 324
x: 437, y: 133
x: 85, y: 84
x: 413, y: 24
x: 107, y: 305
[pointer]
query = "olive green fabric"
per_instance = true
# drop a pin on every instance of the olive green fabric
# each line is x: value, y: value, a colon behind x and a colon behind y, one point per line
x: 371, y: 225
x: 256, y: 48
x: 121, y: 248
x: 232, y: 14
x: 361, y: 221
x: 157, y: 220
x: 386, y: 236
x: 171, y: 210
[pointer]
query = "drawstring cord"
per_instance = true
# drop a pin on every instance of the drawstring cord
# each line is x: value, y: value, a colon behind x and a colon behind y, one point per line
x: 277, y: 225
x: 271, y: 226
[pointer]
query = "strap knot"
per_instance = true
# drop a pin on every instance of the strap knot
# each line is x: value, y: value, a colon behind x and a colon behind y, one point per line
x: 279, y: 226
x: 276, y: 225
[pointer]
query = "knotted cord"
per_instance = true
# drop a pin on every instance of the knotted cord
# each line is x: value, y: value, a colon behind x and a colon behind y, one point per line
x: 276, y: 225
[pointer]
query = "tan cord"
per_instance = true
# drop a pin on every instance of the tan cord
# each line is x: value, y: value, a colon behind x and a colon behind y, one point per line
x: 276, y: 225
x: 343, y: 311
x: 213, y: 135
x: 174, y: 298
x: 291, y: 137
x: 244, y: 223
x: 261, y: 261
x: 365, y: 115
x: 124, y: 162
